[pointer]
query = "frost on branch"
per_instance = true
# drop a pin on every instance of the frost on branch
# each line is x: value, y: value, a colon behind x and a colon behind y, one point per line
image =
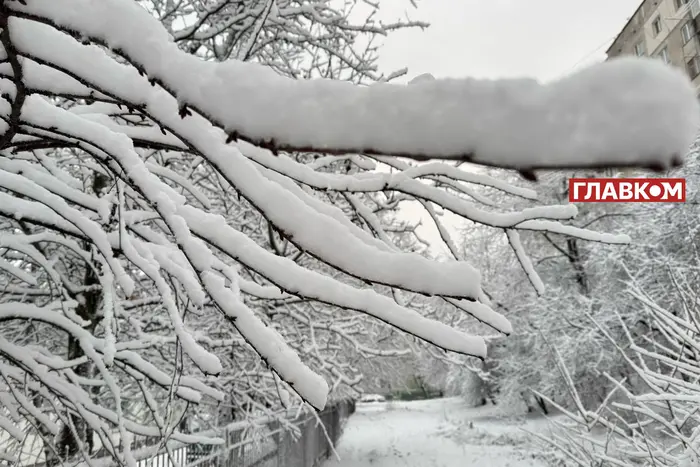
x: 159, y: 250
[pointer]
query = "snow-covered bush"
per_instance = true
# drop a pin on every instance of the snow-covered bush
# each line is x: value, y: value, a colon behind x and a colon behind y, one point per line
x: 128, y: 272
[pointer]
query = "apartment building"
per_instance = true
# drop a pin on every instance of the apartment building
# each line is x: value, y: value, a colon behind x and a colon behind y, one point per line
x: 664, y: 29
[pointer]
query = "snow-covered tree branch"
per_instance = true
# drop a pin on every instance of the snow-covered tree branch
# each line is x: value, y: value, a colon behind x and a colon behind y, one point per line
x: 589, y: 119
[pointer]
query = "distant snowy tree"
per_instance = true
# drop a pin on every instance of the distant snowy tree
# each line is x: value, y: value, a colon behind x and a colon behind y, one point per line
x: 648, y: 415
x: 121, y: 153
x: 582, y: 278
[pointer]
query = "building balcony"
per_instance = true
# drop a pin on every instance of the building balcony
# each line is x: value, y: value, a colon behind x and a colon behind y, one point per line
x: 694, y: 8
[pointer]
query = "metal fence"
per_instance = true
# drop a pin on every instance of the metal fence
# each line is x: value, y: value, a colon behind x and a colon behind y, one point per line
x: 304, y: 443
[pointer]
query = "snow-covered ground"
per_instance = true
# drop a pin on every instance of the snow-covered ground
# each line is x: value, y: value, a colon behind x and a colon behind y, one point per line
x: 437, y: 433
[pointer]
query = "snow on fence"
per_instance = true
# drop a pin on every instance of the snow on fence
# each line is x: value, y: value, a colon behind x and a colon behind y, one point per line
x: 268, y: 445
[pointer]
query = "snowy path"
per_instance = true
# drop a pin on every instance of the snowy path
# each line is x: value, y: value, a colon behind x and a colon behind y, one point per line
x: 437, y: 433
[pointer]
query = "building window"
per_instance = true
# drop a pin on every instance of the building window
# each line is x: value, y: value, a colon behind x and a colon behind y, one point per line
x: 693, y: 67
x: 639, y: 49
x: 656, y: 26
x: 680, y: 3
x: 687, y: 31
x: 663, y: 55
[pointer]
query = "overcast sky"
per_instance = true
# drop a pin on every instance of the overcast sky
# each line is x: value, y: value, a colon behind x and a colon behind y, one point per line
x: 542, y: 39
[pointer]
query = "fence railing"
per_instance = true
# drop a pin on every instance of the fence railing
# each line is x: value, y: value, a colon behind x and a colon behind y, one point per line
x: 303, y: 442
x: 299, y: 443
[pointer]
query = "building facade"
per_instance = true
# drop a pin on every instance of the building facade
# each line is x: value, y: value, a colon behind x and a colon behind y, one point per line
x: 663, y: 29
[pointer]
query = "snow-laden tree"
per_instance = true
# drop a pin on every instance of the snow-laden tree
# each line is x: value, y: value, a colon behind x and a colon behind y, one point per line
x: 101, y: 88
x: 648, y: 414
x: 306, y: 39
x: 582, y: 278
x: 313, y: 39
x: 248, y: 386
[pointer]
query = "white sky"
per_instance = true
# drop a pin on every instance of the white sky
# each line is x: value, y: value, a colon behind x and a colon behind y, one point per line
x: 542, y: 39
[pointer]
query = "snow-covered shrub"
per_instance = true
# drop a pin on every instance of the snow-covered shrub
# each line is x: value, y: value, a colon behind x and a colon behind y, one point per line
x: 128, y: 272
x: 649, y: 418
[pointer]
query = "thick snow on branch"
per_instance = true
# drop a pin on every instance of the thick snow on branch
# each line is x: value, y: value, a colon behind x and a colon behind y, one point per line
x: 270, y: 344
x: 623, y: 112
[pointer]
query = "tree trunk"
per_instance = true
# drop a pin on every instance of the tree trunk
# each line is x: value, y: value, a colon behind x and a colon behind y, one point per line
x: 67, y: 443
x: 577, y: 262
